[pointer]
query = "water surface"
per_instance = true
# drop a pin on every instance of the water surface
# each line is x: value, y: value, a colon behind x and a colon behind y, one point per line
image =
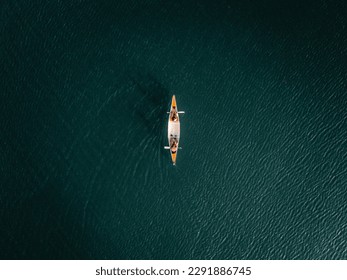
x: 85, y: 88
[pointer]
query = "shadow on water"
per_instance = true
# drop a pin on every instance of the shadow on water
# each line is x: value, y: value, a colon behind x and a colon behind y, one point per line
x: 150, y: 104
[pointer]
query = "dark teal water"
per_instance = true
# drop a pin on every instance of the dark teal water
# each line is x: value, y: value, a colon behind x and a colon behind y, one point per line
x: 85, y: 86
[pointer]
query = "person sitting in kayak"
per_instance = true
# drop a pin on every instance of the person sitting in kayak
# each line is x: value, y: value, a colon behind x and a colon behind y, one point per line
x: 174, y: 145
x: 174, y: 117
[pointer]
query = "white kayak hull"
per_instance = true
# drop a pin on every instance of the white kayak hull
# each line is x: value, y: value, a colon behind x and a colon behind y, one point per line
x: 173, y: 133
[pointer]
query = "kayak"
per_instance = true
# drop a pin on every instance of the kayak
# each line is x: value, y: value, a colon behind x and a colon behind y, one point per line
x: 173, y: 132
